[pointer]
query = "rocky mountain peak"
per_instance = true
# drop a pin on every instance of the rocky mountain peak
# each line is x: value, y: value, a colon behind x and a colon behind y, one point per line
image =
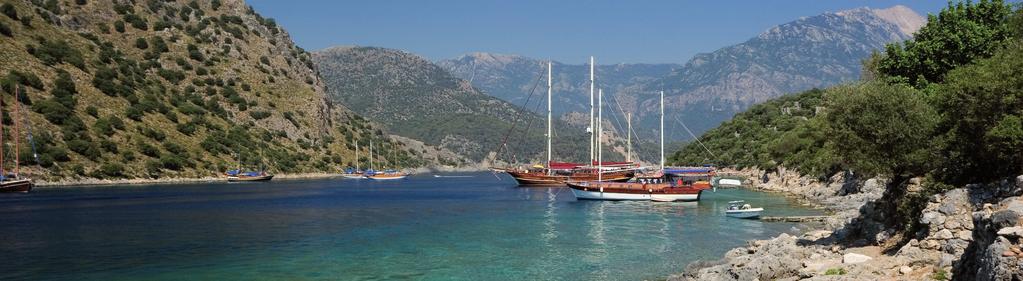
x: 905, y: 18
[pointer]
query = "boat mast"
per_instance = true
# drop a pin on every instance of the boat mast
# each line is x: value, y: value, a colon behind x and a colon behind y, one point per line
x: 549, y: 114
x: 371, y: 154
x: 592, y: 136
x: 356, y: 156
x: 628, y: 119
x: 2, y: 145
x: 16, y: 143
x: 600, y: 135
x: 662, y: 130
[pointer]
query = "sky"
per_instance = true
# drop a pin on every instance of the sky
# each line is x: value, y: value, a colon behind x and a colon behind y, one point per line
x: 652, y: 31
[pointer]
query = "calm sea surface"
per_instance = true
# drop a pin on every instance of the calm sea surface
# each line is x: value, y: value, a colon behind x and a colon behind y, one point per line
x: 423, y: 228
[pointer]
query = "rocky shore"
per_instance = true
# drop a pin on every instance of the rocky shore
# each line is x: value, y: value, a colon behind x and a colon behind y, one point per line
x: 968, y: 233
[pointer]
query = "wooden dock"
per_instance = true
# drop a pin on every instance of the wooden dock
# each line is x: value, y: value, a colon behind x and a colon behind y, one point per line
x: 795, y: 218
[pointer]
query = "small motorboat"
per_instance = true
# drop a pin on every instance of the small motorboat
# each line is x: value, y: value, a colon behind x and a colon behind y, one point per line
x: 236, y: 176
x: 739, y: 209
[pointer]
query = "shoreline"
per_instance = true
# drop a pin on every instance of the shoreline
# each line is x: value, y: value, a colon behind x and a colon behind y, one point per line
x: 220, y: 179
x: 964, y: 234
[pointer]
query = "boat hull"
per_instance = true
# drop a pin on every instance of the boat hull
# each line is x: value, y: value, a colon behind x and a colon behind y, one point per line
x: 634, y: 191
x: 387, y: 177
x: 745, y: 214
x: 21, y: 186
x: 255, y: 178
x: 353, y: 176
x: 539, y: 179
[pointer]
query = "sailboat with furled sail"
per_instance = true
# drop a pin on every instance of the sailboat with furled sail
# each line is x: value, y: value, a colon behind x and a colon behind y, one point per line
x: 560, y: 173
x: 14, y: 181
x: 354, y: 173
x: 668, y: 184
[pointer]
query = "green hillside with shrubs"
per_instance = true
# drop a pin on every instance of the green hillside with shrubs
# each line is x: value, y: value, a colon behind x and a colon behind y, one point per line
x: 946, y: 106
x: 145, y: 89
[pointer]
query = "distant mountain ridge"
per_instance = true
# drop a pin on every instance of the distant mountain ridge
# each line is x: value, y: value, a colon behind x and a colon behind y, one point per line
x: 810, y: 52
x: 418, y: 99
x: 511, y: 77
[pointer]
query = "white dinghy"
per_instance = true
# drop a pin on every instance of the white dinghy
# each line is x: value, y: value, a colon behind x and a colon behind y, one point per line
x: 739, y: 209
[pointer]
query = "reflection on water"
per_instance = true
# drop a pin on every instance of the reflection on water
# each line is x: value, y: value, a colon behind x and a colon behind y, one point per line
x: 424, y: 228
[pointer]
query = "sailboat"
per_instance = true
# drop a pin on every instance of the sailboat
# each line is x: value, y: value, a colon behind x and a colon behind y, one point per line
x: 357, y: 173
x: 13, y: 182
x: 560, y: 173
x: 669, y: 184
x: 237, y: 175
x: 389, y: 174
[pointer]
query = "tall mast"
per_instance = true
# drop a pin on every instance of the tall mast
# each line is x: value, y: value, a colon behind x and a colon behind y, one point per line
x: 356, y: 156
x: 628, y: 119
x: 592, y: 136
x: 662, y: 130
x: 16, y: 142
x: 549, y: 113
x: 600, y: 135
x: 2, y: 145
x: 371, y: 154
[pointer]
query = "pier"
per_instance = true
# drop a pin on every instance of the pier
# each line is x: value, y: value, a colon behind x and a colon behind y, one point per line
x: 795, y: 218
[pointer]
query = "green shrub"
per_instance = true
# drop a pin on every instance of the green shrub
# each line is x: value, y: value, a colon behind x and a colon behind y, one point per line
x: 141, y: 43
x: 85, y: 148
x: 154, y: 134
x: 835, y: 271
x: 25, y: 78
x: 108, y: 145
x: 53, y: 111
x: 136, y: 21
x: 147, y: 149
x: 119, y: 26
x: 111, y: 170
x: 158, y: 44
x: 52, y: 52
x: 259, y: 115
x: 5, y: 30
x: 172, y: 162
x: 92, y: 111
x: 173, y: 76
x: 9, y: 10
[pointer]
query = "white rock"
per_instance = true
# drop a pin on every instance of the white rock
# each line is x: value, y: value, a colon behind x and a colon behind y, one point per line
x: 905, y: 270
x: 965, y: 235
x: 1015, y: 231
x: 854, y: 258
x: 943, y: 234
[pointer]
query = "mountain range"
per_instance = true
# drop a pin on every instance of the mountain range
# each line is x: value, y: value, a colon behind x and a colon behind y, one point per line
x: 810, y: 52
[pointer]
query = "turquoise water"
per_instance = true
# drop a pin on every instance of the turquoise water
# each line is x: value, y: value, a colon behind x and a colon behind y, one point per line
x: 424, y: 228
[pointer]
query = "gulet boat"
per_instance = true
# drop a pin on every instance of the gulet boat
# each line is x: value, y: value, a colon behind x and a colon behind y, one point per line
x: 14, y: 182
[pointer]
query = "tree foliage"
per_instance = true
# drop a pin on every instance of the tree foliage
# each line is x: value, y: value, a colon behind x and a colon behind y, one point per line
x: 958, y: 35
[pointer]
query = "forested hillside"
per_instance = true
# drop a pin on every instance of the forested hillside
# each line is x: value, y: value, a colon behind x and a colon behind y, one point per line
x: 945, y: 106
x: 139, y: 89
x: 415, y: 98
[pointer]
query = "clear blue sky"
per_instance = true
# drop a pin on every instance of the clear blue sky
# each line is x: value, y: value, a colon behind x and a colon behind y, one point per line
x: 566, y: 31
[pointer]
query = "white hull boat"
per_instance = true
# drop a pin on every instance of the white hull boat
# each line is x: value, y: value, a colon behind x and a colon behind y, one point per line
x: 739, y: 209
x: 615, y: 196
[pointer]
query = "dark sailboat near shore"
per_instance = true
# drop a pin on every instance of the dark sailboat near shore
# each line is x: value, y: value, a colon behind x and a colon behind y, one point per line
x: 13, y: 182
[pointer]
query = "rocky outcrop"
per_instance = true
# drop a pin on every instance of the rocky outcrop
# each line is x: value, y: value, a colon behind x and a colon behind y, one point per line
x: 969, y: 233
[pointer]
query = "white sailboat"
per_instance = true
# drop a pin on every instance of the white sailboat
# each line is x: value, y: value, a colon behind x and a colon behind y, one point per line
x: 357, y: 173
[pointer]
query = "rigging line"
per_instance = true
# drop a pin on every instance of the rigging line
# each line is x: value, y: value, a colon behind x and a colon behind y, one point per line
x: 634, y: 134
x: 519, y: 114
x: 696, y: 138
x: 529, y: 126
